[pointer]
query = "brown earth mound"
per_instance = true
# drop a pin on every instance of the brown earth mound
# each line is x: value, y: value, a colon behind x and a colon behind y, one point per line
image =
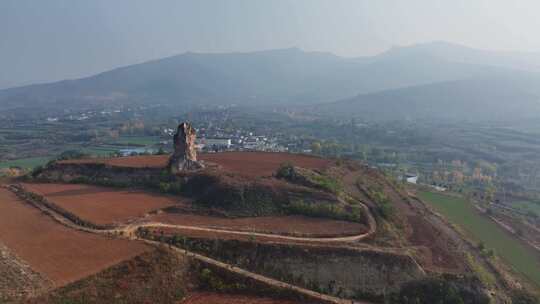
x: 252, y: 164
x: 61, y: 254
x: 101, y: 205
x: 286, y: 225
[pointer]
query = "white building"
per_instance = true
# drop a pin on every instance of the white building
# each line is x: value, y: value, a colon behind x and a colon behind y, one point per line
x: 411, y: 178
x: 210, y: 143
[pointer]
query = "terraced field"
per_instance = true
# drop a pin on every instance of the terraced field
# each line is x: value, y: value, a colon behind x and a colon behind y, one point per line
x: 285, y: 225
x: 102, y: 205
x: 58, y: 253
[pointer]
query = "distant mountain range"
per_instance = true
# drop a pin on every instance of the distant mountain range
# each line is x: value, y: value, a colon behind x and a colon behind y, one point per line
x: 501, y: 86
x: 425, y: 75
x: 496, y: 98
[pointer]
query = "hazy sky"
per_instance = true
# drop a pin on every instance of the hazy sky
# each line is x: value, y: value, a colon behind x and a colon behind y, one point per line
x: 57, y: 39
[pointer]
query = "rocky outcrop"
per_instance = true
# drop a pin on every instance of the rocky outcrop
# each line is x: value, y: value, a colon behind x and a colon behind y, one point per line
x: 184, y: 156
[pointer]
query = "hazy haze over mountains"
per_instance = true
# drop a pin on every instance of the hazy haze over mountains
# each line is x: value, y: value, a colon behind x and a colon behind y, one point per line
x: 52, y: 40
x: 506, y: 86
x: 432, y: 78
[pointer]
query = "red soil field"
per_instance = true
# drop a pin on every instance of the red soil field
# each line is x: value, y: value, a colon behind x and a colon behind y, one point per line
x: 220, y: 298
x: 286, y: 225
x: 61, y: 254
x: 146, y: 161
x: 262, y: 163
x: 252, y: 164
x: 101, y: 205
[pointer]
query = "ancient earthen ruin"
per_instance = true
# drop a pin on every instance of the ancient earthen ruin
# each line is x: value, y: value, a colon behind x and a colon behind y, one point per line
x: 184, y: 156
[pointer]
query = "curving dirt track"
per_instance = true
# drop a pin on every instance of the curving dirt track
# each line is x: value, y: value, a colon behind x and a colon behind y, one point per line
x: 292, y: 225
x: 104, y: 206
x: 130, y: 229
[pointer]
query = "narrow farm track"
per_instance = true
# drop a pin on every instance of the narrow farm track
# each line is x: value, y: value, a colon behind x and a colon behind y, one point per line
x: 129, y: 232
x: 130, y: 229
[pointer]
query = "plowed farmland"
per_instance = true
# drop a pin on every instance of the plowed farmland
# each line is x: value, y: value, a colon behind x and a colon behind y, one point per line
x: 102, y: 205
x: 252, y: 164
x: 286, y: 225
x: 61, y: 254
x: 262, y: 163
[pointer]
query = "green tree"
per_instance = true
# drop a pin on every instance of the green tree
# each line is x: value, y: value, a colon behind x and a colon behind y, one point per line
x: 71, y: 154
x: 316, y: 147
x: 523, y: 297
x: 161, y: 151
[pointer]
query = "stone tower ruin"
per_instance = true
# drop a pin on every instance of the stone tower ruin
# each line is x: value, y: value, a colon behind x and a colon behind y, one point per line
x: 184, y: 156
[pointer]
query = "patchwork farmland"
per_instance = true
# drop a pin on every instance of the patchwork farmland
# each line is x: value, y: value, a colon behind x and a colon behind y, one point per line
x: 60, y: 254
x: 318, y: 211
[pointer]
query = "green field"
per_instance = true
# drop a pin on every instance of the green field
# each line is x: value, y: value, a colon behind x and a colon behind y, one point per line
x: 527, y: 206
x: 27, y: 163
x: 480, y: 228
x: 137, y: 140
x: 32, y: 162
x: 99, y: 151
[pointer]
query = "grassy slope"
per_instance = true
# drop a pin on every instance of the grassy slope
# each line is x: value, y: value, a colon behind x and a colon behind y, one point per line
x: 137, y: 140
x: 460, y: 212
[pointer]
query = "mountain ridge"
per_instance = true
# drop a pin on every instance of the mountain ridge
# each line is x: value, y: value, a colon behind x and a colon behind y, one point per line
x: 288, y: 76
